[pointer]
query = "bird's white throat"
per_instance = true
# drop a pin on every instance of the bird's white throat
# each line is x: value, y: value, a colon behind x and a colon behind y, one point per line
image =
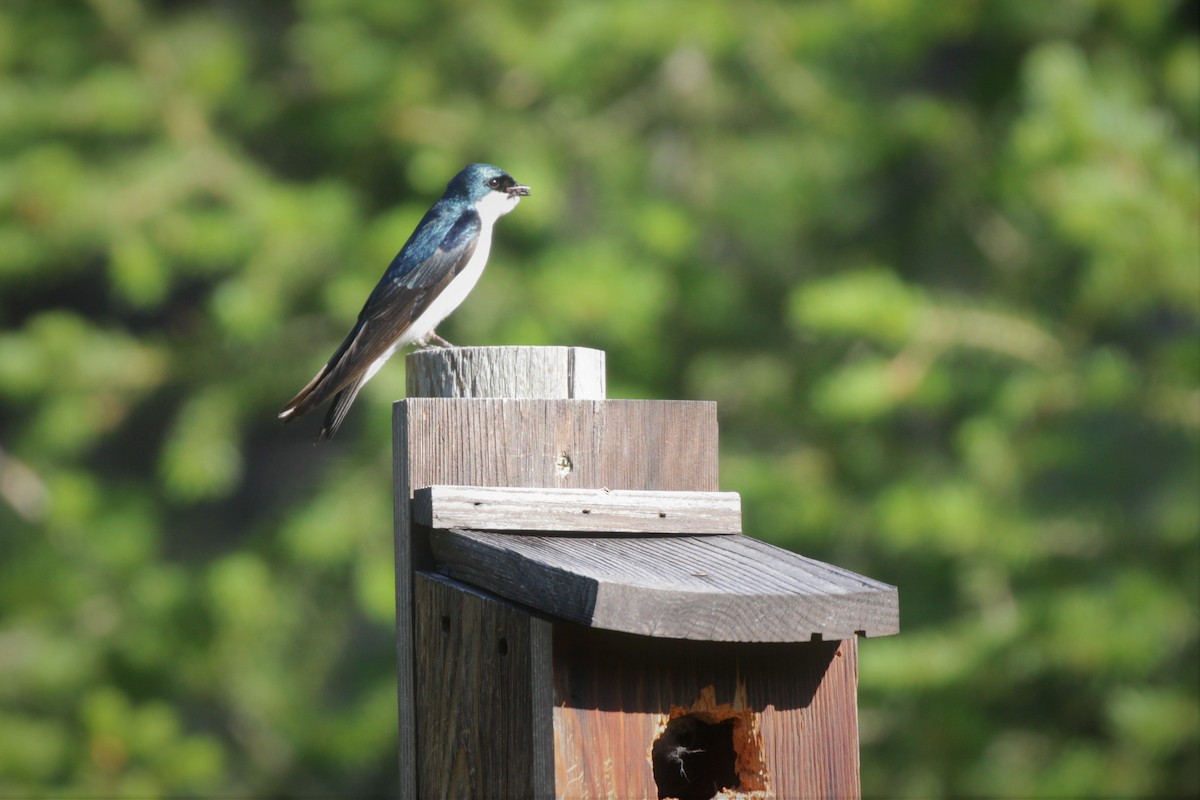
x: 495, y: 205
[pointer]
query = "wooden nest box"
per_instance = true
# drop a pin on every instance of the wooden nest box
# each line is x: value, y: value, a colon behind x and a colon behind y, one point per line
x: 578, y: 612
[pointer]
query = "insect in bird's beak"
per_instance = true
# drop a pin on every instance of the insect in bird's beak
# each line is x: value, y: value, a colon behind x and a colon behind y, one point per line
x: 517, y: 190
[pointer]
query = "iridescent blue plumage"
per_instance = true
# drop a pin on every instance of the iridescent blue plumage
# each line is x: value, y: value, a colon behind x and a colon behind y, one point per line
x: 430, y: 276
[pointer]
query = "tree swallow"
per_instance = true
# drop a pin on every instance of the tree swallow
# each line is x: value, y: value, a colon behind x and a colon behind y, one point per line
x: 429, y: 278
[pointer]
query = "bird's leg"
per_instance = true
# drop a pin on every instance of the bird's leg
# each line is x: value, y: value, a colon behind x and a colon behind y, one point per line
x: 437, y: 341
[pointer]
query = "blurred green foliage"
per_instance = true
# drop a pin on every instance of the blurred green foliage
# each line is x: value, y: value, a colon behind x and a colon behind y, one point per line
x: 938, y: 262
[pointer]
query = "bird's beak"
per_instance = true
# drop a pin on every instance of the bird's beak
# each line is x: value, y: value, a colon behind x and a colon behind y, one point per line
x: 517, y: 190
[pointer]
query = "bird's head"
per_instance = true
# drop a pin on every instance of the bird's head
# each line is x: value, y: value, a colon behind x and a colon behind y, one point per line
x: 484, y: 183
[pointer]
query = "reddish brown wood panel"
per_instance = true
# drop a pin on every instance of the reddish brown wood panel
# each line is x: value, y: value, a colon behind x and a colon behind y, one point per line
x: 614, y: 691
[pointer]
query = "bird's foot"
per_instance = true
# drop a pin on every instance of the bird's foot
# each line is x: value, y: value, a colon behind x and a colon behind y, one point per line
x: 431, y: 339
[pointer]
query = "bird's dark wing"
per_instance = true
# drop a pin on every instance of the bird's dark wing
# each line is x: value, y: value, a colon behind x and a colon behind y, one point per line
x: 408, y: 287
x: 411, y: 283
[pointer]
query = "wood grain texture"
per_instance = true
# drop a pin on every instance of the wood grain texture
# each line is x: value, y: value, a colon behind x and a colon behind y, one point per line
x: 610, y: 690
x: 513, y: 372
x: 715, y: 588
x: 573, y: 511
x: 483, y: 678
x: 615, y: 444
x: 614, y: 691
x: 618, y: 444
x: 421, y: 450
x: 408, y: 558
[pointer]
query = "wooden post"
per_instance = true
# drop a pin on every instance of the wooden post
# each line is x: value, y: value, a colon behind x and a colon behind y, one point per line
x: 435, y: 443
x: 582, y: 640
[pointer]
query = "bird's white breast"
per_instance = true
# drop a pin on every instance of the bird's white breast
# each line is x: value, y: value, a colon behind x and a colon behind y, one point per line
x: 490, y: 209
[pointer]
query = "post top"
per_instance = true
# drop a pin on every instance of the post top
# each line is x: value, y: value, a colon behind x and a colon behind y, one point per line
x: 528, y: 373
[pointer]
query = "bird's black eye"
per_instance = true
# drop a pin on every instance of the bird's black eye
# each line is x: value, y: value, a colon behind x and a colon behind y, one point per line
x: 494, y: 183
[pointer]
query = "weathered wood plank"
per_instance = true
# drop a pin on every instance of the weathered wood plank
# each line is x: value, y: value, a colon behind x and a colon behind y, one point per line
x: 525, y: 372
x: 562, y: 443
x: 571, y: 511
x: 801, y: 699
x: 718, y: 588
x: 484, y: 683
x: 530, y: 442
x: 423, y: 454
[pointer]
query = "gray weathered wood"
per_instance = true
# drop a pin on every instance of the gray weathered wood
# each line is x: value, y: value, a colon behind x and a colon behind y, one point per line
x: 544, y: 443
x: 567, y: 444
x: 568, y: 373
x: 552, y: 442
x: 611, y: 691
x: 440, y: 440
x: 571, y: 511
x: 717, y: 588
x: 486, y: 698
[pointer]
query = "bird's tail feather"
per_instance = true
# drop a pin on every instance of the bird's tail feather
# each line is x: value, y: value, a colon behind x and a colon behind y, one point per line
x: 337, y: 411
x: 306, y: 399
x: 324, y: 383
